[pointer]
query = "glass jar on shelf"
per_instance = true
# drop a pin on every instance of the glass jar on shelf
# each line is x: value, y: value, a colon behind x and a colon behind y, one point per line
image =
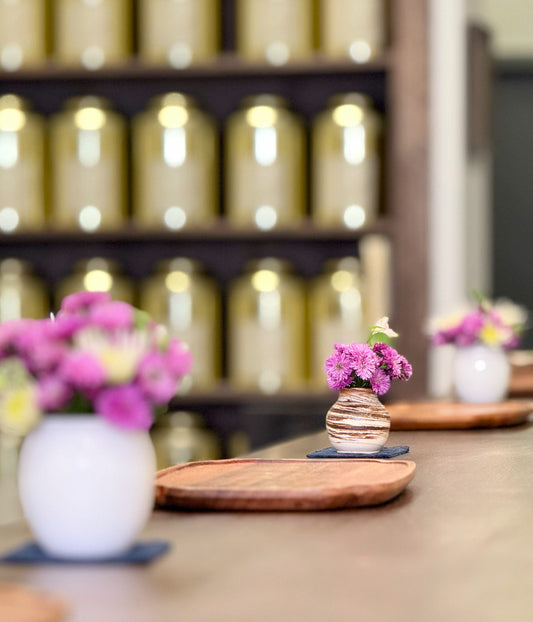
x: 178, y: 33
x: 22, y: 293
x: 375, y: 255
x: 274, y: 31
x: 175, y: 160
x: 22, y: 148
x: 265, y: 165
x: 267, y: 328
x: 96, y: 274
x: 23, y: 33
x: 336, y: 312
x: 353, y: 29
x: 180, y: 295
x: 88, y: 153
x: 92, y: 33
x: 347, y: 161
x: 182, y: 436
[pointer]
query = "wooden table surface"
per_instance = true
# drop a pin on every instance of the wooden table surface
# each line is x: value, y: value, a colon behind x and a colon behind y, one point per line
x: 457, y: 545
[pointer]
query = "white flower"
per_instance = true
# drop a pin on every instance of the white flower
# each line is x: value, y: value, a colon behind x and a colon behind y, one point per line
x: 382, y: 326
x: 512, y: 314
x: 118, y: 354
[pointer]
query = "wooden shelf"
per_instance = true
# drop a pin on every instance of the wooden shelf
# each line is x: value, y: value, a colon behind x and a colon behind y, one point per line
x: 219, y: 231
x: 226, y: 64
x: 297, y: 402
x: 397, y: 83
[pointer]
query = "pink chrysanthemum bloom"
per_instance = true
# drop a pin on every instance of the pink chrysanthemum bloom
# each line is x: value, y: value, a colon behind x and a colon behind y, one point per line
x: 83, y: 301
x: 82, y: 370
x: 53, y: 394
x: 407, y: 369
x: 380, y: 382
x: 364, y: 360
x: 9, y: 333
x: 125, y: 406
x: 338, y: 369
x: 178, y: 357
x: 64, y: 326
x: 113, y: 315
x: 390, y: 358
x: 155, y: 378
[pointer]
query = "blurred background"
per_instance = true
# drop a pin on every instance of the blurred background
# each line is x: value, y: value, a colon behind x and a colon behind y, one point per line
x: 266, y: 178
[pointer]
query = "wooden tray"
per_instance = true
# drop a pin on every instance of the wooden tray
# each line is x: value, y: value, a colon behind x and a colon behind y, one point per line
x: 19, y: 603
x: 282, y: 484
x: 439, y: 415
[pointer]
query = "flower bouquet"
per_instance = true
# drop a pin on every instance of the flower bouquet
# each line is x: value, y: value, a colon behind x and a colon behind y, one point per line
x: 498, y: 324
x: 481, y: 335
x: 84, y: 387
x: 95, y: 356
x: 358, y: 422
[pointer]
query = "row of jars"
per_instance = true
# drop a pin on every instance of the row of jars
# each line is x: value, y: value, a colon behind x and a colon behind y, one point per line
x: 175, y: 165
x: 96, y: 33
x: 280, y: 328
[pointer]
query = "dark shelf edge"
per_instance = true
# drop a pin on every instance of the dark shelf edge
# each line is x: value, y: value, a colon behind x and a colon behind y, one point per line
x: 225, y: 396
x: 513, y: 67
x: 227, y: 64
x: 220, y: 231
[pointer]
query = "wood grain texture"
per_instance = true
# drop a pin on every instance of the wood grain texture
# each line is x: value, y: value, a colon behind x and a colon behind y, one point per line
x: 253, y: 484
x: 437, y: 415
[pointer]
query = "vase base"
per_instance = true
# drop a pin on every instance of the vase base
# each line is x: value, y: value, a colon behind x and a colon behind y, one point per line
x: 358, y: 451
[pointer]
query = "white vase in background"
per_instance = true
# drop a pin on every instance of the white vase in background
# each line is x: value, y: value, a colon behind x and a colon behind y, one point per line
x: 86, y: 486
x: 481, y: 374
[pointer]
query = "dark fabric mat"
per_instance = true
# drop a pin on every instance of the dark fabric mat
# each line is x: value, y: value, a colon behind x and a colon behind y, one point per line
x: 386, y: 452
x: 139, y: 553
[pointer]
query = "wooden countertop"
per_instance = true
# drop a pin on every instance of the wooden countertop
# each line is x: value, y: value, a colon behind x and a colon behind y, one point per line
x: 456, y: 545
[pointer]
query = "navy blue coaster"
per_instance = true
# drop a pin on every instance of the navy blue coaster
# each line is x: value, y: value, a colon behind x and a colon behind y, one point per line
x: 386, y: 452
x: 140, y: 553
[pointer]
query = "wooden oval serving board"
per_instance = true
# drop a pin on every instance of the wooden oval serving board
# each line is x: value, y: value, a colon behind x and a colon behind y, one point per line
x: 250, y: 484
x: 439, y: 415
x: 19, y: 603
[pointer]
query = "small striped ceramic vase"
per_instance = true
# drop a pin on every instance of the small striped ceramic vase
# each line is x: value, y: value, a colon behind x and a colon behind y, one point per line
x: 358, y: 422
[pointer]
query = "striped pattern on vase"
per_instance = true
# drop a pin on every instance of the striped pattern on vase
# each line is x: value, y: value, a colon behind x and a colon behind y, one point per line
x: 358, y: 422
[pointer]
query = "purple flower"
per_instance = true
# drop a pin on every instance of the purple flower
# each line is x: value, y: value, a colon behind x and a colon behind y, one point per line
x: 338, y: 369
x: 342, y: 347
x: 112, y: 315
x: 391, y: 360
x: 178, y: 357
x: 8, y: 335
x: 380, y: 382
x: 64, y: 326
x: 83, y: 301
x: 406, y: 367
x: 82, y: 370
x: 155, y: 378
x: 125, y: 406
x: 364, y: 360
x: 52, y: 393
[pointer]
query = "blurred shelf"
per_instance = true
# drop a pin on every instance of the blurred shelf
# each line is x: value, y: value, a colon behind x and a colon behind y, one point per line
x: 226, y: 64
x: 298, y: 403
x: 219, y: 231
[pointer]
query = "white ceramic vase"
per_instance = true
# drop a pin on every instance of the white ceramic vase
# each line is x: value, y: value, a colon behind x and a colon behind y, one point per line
x: 481, y: 374
x: 86, y: 486
x: 358, y: 422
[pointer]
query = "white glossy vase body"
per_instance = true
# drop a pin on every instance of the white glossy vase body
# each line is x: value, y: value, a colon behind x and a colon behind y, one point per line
x: 358, y: 422
x: 481, y: 374
x: 86, y: 486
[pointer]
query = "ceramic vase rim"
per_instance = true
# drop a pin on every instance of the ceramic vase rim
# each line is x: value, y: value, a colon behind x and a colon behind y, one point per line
x: 358, y: 389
